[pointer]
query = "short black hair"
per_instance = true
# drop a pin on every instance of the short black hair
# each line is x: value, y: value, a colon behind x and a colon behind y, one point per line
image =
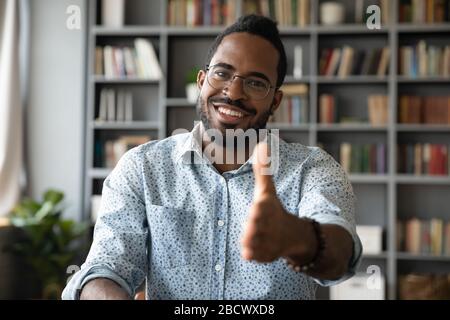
x: 260, y: 26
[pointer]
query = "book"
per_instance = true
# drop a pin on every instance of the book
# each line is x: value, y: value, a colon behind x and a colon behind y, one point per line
x: 148, y: 59
x: 120, y: 115
x: 378, y: 109
x: 412, y: 236
x: 345, y: 156
x: 98, y: 60
x: 436, y: 236
x: 103, y: 106
x: 298, y: 62
x: 384, y: 62
x: 128, y: 107
x: 111, y: 105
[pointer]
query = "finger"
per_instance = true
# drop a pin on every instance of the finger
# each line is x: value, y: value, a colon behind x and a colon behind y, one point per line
x: 257, y: 255
x: 261, y: 169
x: 247, y: 253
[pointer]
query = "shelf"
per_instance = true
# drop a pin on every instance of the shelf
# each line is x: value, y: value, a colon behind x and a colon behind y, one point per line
x: 104, y: 80
x: 352, y: 79
x: 193, y: 31
x: 350, y: 127
x: 135, y: 125
x: 425, y: 179
x: 368, y: 178
x: 404, y: 79
x: 99, y: 173
x: 290, y: 79
x: 129, y: 31
x: 156, y: 30
x: 423, y: 28
x: 294, y: 31
x: 422, y: 128
x: 288, y: 126
x: 382, y: 255
x: 349, y: 29
x: 421, y: 257
x: 179, y: 102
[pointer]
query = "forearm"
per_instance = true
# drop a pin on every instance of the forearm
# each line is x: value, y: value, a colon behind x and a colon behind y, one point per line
x: 103, y: 289
x: 334, y: 259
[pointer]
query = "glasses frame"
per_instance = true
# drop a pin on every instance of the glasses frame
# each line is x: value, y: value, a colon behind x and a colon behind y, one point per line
x: 228, y: 83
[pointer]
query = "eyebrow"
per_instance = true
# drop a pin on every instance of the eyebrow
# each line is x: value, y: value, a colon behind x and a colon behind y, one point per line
x: 252, y: 73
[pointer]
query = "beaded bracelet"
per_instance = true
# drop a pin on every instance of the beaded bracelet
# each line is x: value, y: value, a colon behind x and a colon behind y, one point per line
x: 319, y: 251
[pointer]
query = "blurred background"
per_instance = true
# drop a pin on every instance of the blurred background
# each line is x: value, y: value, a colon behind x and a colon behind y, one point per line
x: 83, y: 81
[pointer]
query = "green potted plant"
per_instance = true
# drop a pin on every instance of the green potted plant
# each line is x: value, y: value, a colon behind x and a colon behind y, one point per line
x: 192, y: 91
x: 49, y: 245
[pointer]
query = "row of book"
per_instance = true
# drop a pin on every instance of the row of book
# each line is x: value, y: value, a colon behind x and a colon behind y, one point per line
x: 423, y: 158
x: 285, y: 12
x: 359, y: 158
x: 294, y: 107
x: 108, y: 152
x: 420, y: 236
x: 424, y: 11
x: 327, y: 109
x: 424, y: 60
x: 348, y: 61
x: 139, y: 61
x: 427, y: 110
x: 193, y: 13
x: 292, y: 110
x: 377, y: 107
x: 424, y: 286
x: 115, y: 105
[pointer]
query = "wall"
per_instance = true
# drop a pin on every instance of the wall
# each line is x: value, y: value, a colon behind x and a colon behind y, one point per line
x: 56, y: 102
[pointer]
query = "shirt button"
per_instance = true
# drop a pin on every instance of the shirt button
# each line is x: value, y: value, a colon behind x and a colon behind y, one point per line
x: 218, y: 267
x: 220, y: 223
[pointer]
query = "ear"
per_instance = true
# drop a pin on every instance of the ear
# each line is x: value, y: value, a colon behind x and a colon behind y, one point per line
x: 201, y: 77
x: 278, y: 96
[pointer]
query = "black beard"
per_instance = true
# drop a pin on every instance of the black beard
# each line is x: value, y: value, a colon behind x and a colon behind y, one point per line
x: 202, y: 111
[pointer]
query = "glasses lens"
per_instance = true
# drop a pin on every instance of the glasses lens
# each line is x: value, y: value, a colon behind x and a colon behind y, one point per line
x: 256, y: 88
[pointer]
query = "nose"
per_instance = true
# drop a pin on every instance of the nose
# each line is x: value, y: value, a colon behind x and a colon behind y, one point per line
x: 235, y: 89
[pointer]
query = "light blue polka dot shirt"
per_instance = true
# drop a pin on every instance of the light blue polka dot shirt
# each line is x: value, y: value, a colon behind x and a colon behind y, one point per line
x: 177, y: 224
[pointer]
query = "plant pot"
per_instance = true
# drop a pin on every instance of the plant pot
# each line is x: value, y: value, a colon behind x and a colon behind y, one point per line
x: 332, y: 13
x: 192, y: 92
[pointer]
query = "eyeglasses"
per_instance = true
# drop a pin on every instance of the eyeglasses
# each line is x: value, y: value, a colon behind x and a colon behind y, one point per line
x: 255, y: 87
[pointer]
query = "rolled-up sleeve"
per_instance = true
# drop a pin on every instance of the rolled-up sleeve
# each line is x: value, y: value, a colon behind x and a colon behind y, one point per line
x: 119, y: 248
x: 328, y: 198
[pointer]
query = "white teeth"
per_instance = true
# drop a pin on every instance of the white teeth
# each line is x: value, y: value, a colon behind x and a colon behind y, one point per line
x: 230, y: 112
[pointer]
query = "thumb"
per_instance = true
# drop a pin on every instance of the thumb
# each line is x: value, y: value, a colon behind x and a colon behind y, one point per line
x: 261, y: 170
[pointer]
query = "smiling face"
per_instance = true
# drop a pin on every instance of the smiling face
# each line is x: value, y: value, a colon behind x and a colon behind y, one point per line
x: 245, y: 55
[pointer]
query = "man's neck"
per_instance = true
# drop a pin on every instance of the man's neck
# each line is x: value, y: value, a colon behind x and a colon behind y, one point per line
x: 230, y: 159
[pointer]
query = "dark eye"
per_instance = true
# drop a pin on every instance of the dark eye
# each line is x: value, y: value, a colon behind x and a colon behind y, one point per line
x: 221, y: 74
x: 256, y: 84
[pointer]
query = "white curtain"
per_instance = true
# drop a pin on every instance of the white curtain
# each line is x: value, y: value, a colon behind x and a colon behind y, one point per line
x: 10, y: 107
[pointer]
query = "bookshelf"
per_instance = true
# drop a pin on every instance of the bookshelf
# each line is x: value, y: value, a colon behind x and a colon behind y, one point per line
x: 161, y: 107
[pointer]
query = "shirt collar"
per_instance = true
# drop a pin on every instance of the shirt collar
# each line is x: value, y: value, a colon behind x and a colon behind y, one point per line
x: 191, y: 149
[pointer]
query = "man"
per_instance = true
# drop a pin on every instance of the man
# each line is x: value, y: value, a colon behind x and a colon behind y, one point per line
x: 196, y: 227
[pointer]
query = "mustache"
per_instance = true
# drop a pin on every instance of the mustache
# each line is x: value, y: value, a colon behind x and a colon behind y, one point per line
x: 236, y: 103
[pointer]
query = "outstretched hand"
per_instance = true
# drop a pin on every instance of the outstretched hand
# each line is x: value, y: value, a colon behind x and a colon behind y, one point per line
x: 264, y: 238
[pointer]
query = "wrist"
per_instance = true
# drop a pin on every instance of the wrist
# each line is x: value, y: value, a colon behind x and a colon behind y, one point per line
x: 301, y: 242
x: 307, y: 254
